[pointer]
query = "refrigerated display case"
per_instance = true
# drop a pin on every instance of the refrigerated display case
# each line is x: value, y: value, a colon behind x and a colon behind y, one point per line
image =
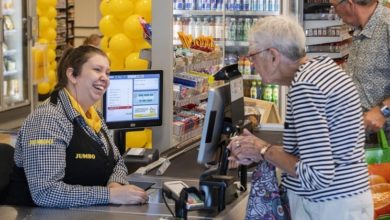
x: 162, y: 58
x: 16, y: 40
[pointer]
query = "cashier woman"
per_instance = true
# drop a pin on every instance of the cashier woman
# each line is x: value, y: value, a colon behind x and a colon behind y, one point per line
x: 64, y: 155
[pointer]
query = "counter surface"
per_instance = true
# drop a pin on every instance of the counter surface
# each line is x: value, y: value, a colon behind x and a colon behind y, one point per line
x: 156, y: 209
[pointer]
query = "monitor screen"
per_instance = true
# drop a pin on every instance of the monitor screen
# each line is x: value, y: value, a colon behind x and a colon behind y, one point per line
x: 133, y: 99
x: 225, y: 107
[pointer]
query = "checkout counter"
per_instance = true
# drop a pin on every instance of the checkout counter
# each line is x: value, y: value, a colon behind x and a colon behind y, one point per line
x: 183, y: 167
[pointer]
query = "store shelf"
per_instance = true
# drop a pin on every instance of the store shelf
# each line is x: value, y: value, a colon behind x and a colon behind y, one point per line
x: 329, y: 54
x: 191, y: 100
x: 10, y: 73
x: 9, y: 52
x: 252, y: 13
x: 324, y: 40
x: 251, y: 77
x: 10, y: 32
x: 8, y: 11
x: 310, y: 24
x: 237, y: 44
x: 197, y: 13
x: 227, y: 13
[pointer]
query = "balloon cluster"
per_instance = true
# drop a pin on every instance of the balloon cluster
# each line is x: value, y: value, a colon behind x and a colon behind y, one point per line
x: 47, y: 24
x: 122, y: 32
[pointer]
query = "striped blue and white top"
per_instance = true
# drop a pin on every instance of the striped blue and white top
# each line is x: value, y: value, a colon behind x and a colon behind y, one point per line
x: 324, y: 128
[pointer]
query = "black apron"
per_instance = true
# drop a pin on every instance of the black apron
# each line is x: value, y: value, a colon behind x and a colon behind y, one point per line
x: 86, y: 165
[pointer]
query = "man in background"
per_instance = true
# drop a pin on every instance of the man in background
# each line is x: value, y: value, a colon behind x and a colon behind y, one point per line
x: 369, y: 58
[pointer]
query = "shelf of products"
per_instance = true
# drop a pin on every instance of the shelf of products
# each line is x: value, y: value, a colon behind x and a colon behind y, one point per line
x: 325, y: 33
x: 65, y: 25
x: 228, y: 24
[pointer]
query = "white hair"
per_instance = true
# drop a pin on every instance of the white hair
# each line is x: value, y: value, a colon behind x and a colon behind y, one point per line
x: 280, y: 32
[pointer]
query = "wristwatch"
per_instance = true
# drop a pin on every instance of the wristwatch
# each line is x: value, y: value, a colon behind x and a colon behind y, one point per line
x: 385, y: 110
x: 264, y: 150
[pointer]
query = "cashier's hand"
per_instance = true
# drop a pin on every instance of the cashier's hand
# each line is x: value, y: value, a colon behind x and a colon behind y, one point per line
x: 374, y: 119
x: 127, y: 194
x: 245, y: 149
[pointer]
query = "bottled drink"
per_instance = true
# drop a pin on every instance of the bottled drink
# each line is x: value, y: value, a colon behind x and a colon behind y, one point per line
x: 275, y: 94
x: 259, y: 89
x: 277, y: 5
x: 267, y: 93
x: 240, y: 30
x: 219, y: 28
x: 189, y: 5
x: 245, y: 5
x: 241, y: 65
x: 237, y: 5
x: 191, y: 27
x: 213, y: 5
x: 266, y: 5
x: 205, y: 27
x: 230, y: 5
x: 253, y: 90
x: 219, y: 5
x: 177, y: 27
x: 206, y: 5
x: 247, y: 27
x: 254, y: 4
x: 232, y: 29
x: 211, y: 27
x: 184, y: 24
x: 227, y: 29
x: 179, y: 5
x: 247, y: 66
x: 198, y: 27
x: 254, y: 21
x: 260, y: 5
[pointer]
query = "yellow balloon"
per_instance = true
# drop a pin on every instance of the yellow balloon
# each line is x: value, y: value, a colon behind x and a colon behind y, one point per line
x: 116, y: 63
x: 109, y: 25
x: 50, y: 34
x: 120, y: 45
x: 43, y: 24
x: 51, y: 12
x: 47, y: 3
x: 104, y: 43
x: 144, y: 8
x: 133, y: 62
x: 53, y: 65
x: 43, y: 5
x: 141, y: 44
x: 53, y: 23
x: 43, y: 41
x: 52, y: 45
x: 121, y: 8
x: 105, y: 7
x: 132, y: 28
x: 51, y: 75
x: 51, y: 55
x: 43, y: 88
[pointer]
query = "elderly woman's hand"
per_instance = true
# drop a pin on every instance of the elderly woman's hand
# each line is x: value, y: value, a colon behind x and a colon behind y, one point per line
x: 245, y: 149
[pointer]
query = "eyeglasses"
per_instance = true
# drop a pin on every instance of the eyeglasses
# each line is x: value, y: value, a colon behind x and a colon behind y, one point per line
x: 336, y: 5
x: 251, y: 56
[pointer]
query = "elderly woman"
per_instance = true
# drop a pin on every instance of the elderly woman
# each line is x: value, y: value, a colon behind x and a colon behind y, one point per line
x: 322, y: 154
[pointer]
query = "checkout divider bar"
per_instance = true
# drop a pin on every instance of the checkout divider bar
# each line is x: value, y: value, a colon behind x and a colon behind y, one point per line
x: 170, y: 154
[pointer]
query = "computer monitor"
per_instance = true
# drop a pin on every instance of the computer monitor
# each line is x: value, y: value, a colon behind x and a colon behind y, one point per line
x: 225, y: 109
x: 133, y: 99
